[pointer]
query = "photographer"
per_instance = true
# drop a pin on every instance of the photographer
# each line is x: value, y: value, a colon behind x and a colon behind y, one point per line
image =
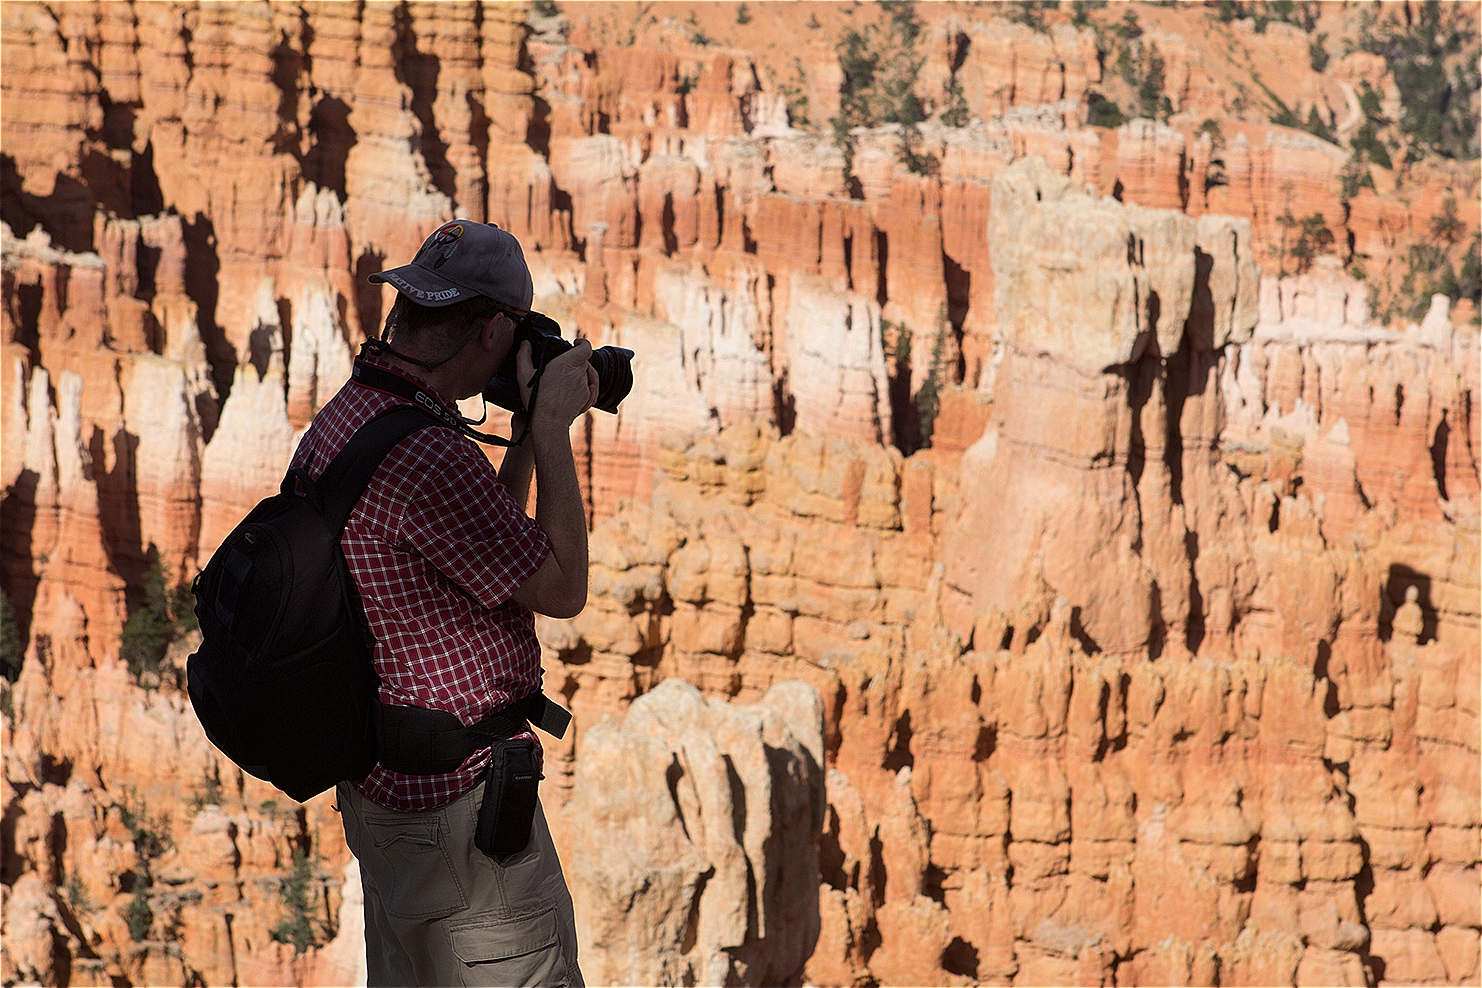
x: 450, y: 569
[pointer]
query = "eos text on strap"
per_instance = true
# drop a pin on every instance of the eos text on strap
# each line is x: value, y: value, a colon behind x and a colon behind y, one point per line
x: 401, y: 387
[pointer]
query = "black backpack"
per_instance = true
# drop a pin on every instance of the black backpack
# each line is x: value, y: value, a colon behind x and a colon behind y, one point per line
x: 283, y: 681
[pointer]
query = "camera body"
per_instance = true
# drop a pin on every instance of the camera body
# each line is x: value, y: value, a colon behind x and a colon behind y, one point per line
x: 614, y: 365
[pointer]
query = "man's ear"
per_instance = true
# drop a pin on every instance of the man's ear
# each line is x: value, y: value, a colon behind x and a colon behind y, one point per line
x: 495, y: 328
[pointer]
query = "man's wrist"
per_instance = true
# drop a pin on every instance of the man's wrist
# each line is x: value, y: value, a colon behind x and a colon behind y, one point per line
x: 545, y: 430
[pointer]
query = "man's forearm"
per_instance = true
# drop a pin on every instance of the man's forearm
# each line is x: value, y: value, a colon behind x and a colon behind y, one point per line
x: 514, y: 472
x: 558, y: 508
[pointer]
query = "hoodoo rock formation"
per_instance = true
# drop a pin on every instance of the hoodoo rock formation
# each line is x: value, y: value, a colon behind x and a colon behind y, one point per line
x: 1031, y: 554
x: 699, y: 828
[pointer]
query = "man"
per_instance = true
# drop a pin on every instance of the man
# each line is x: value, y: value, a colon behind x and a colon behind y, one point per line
x: 449, y: 568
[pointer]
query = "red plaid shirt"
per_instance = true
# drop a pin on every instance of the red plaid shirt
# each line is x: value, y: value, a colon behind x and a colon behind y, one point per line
x: 437, y: 548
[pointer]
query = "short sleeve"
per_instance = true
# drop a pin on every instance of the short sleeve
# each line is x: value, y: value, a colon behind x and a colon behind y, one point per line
x: 462, y: 520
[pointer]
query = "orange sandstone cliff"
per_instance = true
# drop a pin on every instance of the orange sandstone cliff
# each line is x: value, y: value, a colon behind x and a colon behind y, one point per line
x: 1029, y: 556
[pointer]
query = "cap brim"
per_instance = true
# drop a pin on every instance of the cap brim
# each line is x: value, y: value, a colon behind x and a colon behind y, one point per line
x: 422, y: 286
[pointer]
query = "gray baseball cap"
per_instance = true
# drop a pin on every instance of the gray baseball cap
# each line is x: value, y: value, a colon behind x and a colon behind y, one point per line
x: 462, y: 259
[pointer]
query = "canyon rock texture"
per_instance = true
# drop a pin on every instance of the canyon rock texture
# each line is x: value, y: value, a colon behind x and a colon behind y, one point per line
x: 1041, y: 548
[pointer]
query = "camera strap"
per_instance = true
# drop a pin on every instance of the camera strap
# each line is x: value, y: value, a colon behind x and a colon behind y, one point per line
x: 405, y: 388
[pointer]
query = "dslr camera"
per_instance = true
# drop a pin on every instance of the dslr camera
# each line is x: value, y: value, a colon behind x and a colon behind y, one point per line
x: 614, y: 365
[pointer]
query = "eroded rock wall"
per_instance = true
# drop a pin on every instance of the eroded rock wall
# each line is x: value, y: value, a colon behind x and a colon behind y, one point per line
x: 1097, y: 778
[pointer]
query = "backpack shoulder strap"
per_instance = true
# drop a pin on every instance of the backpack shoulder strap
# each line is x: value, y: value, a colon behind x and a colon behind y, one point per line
x: 345, y: 479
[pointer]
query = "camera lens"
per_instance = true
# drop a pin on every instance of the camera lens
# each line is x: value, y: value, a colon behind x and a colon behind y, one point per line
x: 614, y: 367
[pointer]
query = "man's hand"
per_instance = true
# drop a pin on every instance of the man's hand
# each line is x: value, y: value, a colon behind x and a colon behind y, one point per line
x: 568, y: 386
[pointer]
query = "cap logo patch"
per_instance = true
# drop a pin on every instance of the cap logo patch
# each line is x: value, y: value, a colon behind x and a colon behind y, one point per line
x: 444, y: 242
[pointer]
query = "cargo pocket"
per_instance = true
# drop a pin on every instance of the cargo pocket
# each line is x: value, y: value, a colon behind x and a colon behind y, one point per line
x: 511, y: 952
x: 411, y: 861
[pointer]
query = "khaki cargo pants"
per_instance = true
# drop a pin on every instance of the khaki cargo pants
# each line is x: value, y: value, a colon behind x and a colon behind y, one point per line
x: 438, y: 911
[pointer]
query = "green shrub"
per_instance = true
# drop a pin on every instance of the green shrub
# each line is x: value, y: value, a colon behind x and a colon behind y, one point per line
x: 1129, y: 29
x: 143, y: 642
x: 1216, y: 134
x: 151, y: 835
x: 150, y: 629
x: 1318, y: 127
x: 1370, y: 102
x: 1214, y: 172
x: 1030, y: 13
x: 1284, y: 116
x: 151, y: 839
x: 1313, y: 237
x: 916, y: 413
x: 1151, y: 103
x: 183, y: 609
x: 1142, y: 68
x: 1434, y: 63
x: 1126, y: 64
x: 1080, y: 11
x: 1301, y: 14
x: 1302, y: 240
x: 955, y: 112
x: 1366, y: 144
x: 1354, y: 176
x: 1102, y: 112
x: 1429, y: 271
x: 297, y: 925
x: 1446, y: 226
x: 908, y: 152
x: 208, y: 793
x: 1280, y: 114
x: 1317, y: 53
x: 12, y: 650
x: 795, y: 92
x: 1469, y: 281
x: 929, y: 396
x: 77, y: 896
x: 880, y: 67
x: 138, y: 916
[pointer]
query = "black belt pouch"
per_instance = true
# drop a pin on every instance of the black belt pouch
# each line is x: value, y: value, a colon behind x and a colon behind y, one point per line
x: 511, y: 783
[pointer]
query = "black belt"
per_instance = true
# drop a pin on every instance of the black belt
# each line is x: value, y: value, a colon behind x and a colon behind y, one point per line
x: 418, y: 741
